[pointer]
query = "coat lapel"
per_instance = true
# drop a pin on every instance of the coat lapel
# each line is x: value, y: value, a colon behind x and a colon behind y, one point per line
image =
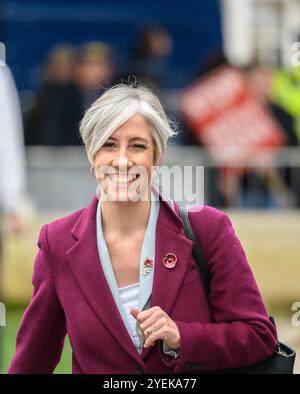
x: 170, y: 238
x: 84, y: 261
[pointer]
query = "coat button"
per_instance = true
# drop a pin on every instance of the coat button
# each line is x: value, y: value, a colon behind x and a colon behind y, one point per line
x: 140, y: 369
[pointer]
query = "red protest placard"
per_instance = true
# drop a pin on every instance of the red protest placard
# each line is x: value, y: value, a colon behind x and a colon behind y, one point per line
x: 227, y: 118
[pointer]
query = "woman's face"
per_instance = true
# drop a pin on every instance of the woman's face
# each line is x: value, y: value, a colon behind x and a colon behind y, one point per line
x: 123, y: 165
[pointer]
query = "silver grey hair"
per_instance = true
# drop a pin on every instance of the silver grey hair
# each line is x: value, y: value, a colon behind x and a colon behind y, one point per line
x: 118, y: 104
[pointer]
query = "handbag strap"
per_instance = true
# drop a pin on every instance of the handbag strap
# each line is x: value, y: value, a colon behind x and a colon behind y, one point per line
x: 201, y: 262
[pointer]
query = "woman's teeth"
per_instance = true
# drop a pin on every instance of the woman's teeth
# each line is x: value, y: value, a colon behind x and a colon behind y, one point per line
x: 122, y: 178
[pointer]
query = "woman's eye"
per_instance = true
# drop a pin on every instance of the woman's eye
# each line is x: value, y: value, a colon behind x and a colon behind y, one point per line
x: 109, y: 144
x: 112, y: 145
x: 139, y: 146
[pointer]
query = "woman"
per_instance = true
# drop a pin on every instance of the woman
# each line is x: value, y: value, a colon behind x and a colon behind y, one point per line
x: 118, y: 276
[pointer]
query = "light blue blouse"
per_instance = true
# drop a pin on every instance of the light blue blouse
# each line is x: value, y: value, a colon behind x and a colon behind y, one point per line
x: 145, y: 281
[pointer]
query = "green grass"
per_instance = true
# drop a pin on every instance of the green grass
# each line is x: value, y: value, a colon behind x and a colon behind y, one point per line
x: 13, y: 319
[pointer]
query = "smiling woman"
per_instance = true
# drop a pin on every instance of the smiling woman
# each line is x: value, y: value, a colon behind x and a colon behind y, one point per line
x: 124, y: 163
x: 125, y: 132
x: 119, y: 276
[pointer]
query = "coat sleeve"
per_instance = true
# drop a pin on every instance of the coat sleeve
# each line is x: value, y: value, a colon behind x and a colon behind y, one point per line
x: 40, y: 338
x: 241, y: 333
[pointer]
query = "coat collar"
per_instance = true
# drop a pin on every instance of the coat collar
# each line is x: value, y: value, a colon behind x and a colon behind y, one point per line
x: 84, y: 262
x: 169, y: 216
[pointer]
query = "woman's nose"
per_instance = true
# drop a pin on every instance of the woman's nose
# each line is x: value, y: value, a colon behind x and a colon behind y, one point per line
x: 122, y: 163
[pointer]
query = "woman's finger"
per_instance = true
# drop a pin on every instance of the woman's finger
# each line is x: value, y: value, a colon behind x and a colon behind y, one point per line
x: 152, y: 338
x: 149, y: 322
x: 156, y: 326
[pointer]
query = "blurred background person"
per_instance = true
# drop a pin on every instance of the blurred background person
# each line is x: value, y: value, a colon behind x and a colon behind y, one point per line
x: 12, y: 165
x: 261, y: 78
x: 241, y: 185
x: 148, y: 58
x: 74, y: 78
x: 285, y: 94
x: 272, y: 184
x: 94, y: 70
x: 42, y: 123
x: 214, y: 174
x: 285, y: 101
x: 12, y: 153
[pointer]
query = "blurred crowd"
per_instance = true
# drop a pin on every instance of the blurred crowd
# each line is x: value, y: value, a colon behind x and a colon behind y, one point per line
x: 277, y: 91
x: 73, y: 77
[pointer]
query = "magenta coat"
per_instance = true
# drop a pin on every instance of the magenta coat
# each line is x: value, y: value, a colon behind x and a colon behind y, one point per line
x: 71, y: 296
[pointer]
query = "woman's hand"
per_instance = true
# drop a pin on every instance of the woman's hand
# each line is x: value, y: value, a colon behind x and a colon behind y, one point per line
x: 156, y: 324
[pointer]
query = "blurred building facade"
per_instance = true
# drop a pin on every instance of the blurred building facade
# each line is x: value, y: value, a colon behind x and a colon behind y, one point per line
x: 263, y: 30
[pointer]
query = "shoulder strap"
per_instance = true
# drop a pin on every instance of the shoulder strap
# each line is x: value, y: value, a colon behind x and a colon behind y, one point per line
x: 201, y: 263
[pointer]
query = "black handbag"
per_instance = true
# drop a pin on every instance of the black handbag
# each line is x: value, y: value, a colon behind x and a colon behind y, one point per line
x: 282, y: 360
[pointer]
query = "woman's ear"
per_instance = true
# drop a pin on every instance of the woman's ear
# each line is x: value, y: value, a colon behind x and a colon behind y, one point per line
x: 160, y: 159
x: 89, y: 158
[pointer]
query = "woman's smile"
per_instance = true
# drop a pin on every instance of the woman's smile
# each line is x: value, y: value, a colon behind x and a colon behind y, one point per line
x: 123, y: 179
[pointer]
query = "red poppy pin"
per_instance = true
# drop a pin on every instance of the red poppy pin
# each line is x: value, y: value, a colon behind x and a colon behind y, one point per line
x: 170, y: 260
